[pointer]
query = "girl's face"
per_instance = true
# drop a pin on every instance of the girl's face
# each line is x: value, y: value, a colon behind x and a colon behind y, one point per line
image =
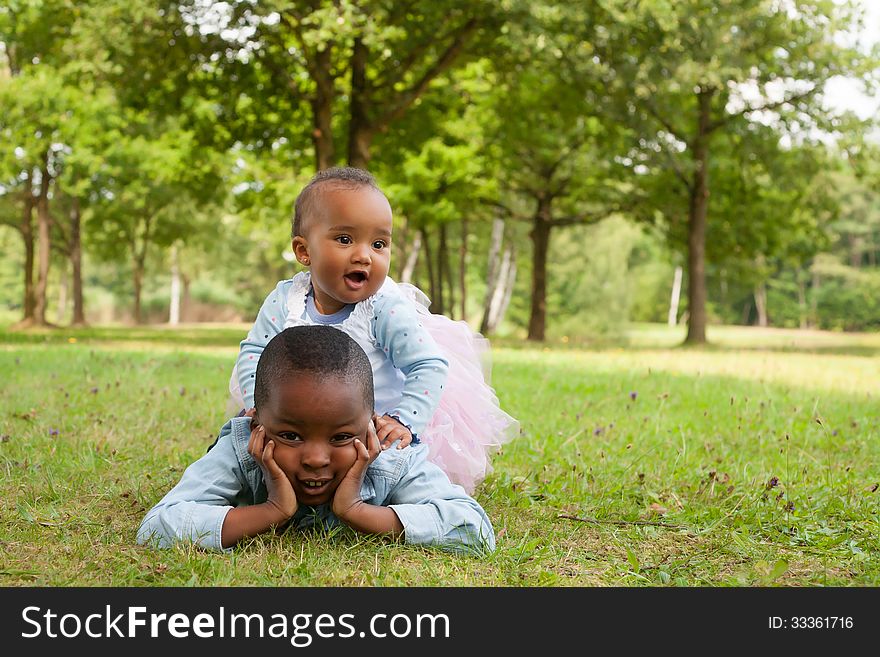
x: 347, y: 246
x: 314, y: 421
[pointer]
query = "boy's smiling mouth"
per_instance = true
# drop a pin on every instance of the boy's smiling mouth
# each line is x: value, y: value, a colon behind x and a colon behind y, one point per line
x: 315, y: 486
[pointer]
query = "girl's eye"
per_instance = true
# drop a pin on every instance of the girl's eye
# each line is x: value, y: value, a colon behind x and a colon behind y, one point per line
x: 289, y: 437
x: 343, y: 239
x: 341, y: 438
x: 379, y: 245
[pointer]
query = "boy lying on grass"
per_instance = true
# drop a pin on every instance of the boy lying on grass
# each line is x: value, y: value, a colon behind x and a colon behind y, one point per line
x: 310, y: 455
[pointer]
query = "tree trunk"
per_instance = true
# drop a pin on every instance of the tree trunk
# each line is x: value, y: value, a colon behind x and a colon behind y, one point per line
x: 185, y: 301
x: 444, y: 270
x: 814, y: 300
x: 137, y: 279
x: 540, y: 235
x: 761, y: 304
x: 174, y: 306
x: 360, y: 132
x: 27, y: 235
x: 44, y: 245
x: 139, y: 257
x: 411, y: 259
x: 802, y: 303
x: 63, y: 293
x: 855, y: 251
x: 492, y: 275
x: 79, y: 315
x: 462, y: 269
x: 322, y: 111
x: 503, y: 289
x: 360, y: 141
x: 698, y: 218
x: 672, y: 318
x: 436, y: 299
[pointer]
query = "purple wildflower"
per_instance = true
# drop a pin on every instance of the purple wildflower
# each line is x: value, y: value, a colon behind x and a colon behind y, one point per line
x: 633, y: 395
x: 53, y: 432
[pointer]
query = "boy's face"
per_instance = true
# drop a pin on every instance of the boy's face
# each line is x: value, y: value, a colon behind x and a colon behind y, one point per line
x: 314, y: 422
x: 347, y: 246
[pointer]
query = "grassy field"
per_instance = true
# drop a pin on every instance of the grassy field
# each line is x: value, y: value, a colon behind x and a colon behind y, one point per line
x: 751, y: 462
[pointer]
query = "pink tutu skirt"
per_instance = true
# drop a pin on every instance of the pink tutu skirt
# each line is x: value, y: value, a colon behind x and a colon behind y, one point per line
x: 468, y: 424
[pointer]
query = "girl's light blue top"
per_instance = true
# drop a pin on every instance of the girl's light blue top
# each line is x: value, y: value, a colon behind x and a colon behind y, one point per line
x: 409, y: 369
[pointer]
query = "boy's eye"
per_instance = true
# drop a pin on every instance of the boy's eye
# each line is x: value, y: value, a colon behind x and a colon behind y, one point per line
x: 344, y: 239
x: 379, y: 245
x: 289, y: 437
x: 341, y: 438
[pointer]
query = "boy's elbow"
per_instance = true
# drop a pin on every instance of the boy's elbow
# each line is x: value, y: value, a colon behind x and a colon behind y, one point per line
x: 485, y: 539
x: 475, y: 537
x: 150, y: 531
x: 473, y: 541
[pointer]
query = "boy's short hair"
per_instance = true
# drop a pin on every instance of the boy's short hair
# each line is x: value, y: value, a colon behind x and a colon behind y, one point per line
x: 339, y: 178
x: 314, y: 350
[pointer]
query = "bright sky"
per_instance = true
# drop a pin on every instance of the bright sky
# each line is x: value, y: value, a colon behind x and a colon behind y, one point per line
x: 844, y: 93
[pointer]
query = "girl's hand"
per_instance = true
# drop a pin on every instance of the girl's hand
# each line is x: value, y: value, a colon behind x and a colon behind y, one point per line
x: 347, y: 498
x: 281, y: 494
x: 389, y: 430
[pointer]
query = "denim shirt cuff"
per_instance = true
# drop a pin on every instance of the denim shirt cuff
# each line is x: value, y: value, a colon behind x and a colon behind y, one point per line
x: 213, y: 521
x: 417, y: 528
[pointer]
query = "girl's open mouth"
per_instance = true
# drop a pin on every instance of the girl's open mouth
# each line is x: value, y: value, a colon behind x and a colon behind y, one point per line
x: 355, y: 280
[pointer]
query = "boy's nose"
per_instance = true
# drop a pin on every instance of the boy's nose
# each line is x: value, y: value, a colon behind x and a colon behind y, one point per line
x: 316, y: 456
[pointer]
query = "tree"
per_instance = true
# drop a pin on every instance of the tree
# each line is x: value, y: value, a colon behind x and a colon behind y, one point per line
x: 36, y: 105
x: 358, y: 66
x: 152, y: 181
x: 30, y: 32
x: 559, y: 156
x: 686, y: 72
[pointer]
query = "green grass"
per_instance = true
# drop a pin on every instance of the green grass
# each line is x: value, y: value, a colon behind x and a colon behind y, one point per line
x: 752, y: 462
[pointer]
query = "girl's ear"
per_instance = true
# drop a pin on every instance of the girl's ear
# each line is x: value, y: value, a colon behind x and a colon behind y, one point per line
x: 301, y: 250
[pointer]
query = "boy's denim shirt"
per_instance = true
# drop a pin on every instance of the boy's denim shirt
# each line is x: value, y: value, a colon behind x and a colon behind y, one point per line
x: 433, y: 510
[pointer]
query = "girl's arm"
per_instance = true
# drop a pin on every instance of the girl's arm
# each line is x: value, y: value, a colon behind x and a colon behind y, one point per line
x: 414, y: 352
x: 270, y: 321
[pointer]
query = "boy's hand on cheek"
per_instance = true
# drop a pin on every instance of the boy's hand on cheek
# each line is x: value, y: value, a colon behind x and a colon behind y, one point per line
x: 281, y: 494
x: 347, y: 497
x: 389, y: 430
